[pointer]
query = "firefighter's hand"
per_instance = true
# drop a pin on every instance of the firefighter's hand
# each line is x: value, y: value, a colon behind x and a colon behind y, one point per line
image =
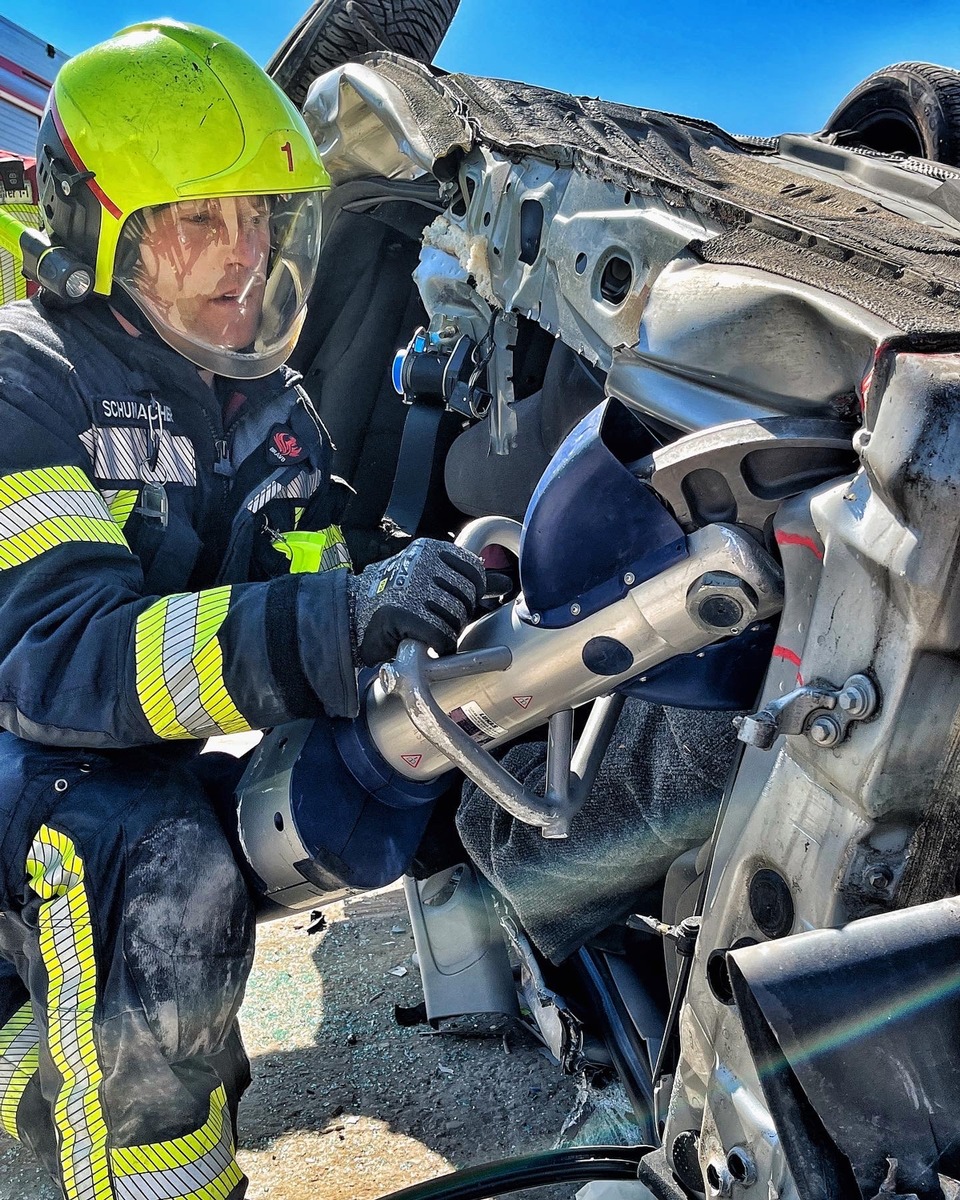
x: 428, y: 592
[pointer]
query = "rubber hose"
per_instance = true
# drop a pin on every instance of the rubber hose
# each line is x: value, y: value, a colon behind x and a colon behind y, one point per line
x: 578, y: 1164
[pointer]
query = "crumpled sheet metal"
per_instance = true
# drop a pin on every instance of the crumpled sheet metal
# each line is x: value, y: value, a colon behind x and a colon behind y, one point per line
x: 680, y: 161
x: 368, y: 123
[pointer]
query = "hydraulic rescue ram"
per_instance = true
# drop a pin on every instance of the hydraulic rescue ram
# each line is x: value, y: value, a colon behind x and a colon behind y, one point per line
x: 331, y: 806
x: 611, y: 588
x: 510, y: 675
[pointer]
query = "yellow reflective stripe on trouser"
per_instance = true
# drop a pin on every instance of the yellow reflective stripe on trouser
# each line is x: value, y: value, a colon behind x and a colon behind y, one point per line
x: 200, y: 1166
x: 55, y: 872
x: 19, y: 1059
x: 121, y: 504
x: 48, y: 507
x: 179, y: 667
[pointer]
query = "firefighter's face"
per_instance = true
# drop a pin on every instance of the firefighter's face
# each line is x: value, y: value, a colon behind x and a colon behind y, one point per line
x: 203, y: 265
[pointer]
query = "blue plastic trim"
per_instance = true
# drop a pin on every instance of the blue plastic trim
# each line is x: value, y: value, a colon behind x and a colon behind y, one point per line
x: 726, y: 675
x: 396, y: 371
x: 370, y: 835
x: 591, y: 521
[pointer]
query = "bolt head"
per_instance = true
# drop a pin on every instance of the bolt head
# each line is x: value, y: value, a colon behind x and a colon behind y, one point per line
x: 720, y: 600
x: 879, y: 878
x: 629, y: 579
x: 824, y: 731
x: 721, y: 612
x: 858, y: 698
x: 849, y: 700
x: 388, y: 677
x: 535, y: 618
x: 575, y: 610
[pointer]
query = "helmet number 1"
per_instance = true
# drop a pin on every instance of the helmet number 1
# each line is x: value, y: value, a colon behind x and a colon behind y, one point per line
x: 287, y: 149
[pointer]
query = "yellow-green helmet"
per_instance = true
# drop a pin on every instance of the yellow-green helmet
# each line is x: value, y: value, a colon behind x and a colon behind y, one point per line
x: 170, y: 123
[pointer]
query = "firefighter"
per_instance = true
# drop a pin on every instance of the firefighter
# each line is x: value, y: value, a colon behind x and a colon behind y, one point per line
x: 155, y: 451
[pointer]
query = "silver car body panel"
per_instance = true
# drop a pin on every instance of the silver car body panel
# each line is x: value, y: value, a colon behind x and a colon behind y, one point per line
x: 697, y: 344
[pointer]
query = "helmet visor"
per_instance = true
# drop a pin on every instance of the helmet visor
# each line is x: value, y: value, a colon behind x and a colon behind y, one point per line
x: 224, y: 281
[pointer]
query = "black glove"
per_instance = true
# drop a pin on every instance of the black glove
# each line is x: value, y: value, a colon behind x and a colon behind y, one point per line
x: 428, y: 592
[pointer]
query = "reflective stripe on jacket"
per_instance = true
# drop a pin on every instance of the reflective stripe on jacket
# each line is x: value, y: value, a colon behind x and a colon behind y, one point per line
x: 142, y: 594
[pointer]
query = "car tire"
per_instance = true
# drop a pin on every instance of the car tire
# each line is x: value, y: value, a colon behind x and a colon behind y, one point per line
x: 333, y: 32
x: 909, y: 108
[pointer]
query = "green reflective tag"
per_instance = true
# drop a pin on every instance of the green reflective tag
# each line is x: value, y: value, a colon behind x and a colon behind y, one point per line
x: 312, y: 551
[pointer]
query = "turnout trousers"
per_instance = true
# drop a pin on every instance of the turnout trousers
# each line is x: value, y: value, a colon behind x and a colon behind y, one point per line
x: 126, y: 936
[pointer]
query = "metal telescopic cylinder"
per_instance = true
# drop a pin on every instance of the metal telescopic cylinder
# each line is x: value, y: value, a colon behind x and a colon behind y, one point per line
x: 655, y: 621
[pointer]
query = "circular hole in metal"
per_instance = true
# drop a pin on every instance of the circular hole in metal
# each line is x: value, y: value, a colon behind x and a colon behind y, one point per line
x: 771, y: 903
x: 278, y: 820
x: 616, y: 280
x: 627, y: 197
x: 740, y: 1165
x: 486, y: 219
x: 686, y: 1159
x: 713, y: 1177
x: 719, y: 977
x: 581, y: 264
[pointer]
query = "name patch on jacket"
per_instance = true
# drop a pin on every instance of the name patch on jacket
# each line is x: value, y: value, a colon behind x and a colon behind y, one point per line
x: 284, y: 448
x: 135, y: 410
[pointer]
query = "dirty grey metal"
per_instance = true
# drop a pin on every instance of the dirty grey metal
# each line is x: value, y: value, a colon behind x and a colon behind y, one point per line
x: 503, y: 420
x: 461, y: 957
x: 743, y: 471
x: 810, y: 710
x: 933, y: 863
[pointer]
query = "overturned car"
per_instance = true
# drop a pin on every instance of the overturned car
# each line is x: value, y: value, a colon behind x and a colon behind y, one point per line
x: 694, y: 397
x: 697, y: 392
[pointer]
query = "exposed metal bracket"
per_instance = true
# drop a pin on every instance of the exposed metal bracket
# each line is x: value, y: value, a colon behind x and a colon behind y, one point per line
x: 571, y: 770
x: 824, y: 714
x: 739, y: 471
x: 683, y: 935
x: 503, y: 419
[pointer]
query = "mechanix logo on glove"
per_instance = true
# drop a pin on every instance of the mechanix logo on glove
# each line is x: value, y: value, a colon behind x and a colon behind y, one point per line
x: 394, y: 572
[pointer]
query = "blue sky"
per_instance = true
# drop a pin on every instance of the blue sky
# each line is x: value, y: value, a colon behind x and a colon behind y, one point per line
x: 752, y: 68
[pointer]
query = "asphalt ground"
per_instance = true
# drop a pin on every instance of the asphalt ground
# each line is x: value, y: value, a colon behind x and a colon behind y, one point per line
x: 348, y: 1105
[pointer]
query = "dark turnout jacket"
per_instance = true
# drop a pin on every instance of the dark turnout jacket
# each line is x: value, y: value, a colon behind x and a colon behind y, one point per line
x: 143, y: 596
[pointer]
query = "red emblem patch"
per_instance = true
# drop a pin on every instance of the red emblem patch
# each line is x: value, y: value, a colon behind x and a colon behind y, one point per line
x: 412, y: 760
x: 286, y: 444
x: 523, y: 701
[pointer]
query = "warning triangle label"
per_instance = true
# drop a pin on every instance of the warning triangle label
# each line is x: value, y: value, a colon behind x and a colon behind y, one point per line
x: 523, y: 701
x: 412, y: 760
